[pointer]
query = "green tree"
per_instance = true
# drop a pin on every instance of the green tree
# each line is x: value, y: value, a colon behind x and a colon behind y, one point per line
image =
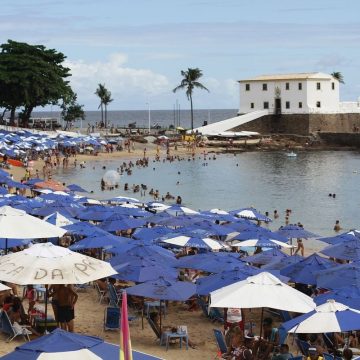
x: 101, y: 93
x: 31, y: 76
x: 189, y: 83
x: 106, y: 101
x: 338, y: 76
x: 71, y: 110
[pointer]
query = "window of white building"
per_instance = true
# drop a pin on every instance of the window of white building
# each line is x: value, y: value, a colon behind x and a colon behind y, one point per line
x: 287, y: 86
x: 318, y: 86
x: 333, y: 86
x: 252, y: 105
x: 287, y: 104
x: 247, y: 87
x: 266, y: 104
x: 300, y: 105
x: 300, y: 86
x: 318, y: 104
x: 264, y: 87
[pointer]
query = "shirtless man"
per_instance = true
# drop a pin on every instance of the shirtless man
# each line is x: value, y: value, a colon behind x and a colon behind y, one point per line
x: 300, y: 247
x: 67, y: 298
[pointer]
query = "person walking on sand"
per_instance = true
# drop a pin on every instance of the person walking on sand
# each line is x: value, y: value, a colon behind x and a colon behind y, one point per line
x: 67, y: 298
x: 300, y: 247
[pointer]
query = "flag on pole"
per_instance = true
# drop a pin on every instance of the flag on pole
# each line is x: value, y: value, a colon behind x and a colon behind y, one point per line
x: 125, y: 342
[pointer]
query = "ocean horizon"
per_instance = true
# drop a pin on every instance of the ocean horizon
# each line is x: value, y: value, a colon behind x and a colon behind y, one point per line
x: 164, y: 118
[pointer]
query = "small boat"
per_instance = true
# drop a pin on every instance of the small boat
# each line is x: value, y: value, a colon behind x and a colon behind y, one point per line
x: 291, y: 154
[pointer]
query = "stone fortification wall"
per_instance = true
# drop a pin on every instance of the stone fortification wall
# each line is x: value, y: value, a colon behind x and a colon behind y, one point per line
x: 303, y: 124
x: 342, y: 139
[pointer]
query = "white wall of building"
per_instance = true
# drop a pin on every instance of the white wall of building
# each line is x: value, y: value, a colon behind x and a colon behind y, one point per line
x: 293, y: 99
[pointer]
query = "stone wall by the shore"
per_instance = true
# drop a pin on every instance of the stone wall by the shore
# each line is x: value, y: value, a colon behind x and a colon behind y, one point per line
x: 341, y: 139
x: 303, y: 124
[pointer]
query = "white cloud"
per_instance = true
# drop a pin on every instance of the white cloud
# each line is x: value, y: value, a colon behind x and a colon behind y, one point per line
x: 124, y: 82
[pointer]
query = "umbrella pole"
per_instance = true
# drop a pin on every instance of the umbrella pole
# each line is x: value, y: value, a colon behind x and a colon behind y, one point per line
x: 46, y: 308
x: 291, y: 250
x: 142, y: 314
x: 160, y: 317
x: 6, y: 246
x: 261, y: 321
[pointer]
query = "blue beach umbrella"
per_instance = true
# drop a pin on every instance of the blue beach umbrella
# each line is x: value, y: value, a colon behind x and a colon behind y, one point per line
x: 194, y: 242
x: 69, y: 345
x: 162, y: 289
x: 116, y: 222
x: 181, y: 220
x: 150, y: 234
x: 339, y: 276
x: 13, y: 243
x: 278, y: 264
x: 76, y: 188
x: 262, y: 241
x: 48, y: 209
x: 295, y: 231
x: 212, y: 228
x: 3, y: 191
x: 333, y: 240
x: 349, y: 296
x: 347, y: 250
x: 94, y: 213
x: 142, y: 270
x: 59, y: 219
x: 305, y: 270
x: 85, y: 229
x: 96, y: 241
x: 329, y: 317
x: 266, y: 257
x: 259, y: 232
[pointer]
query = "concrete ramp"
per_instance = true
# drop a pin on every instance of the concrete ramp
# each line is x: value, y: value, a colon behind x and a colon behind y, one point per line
x: 228, y: 124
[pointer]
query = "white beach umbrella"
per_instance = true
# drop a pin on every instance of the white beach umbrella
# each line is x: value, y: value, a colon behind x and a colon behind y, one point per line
x: 17, y: 224
x: 259, y: 291
x: 255, y: 242
x: 83, y: 354
x: 195, y: 242
x: 58, y: 219
x: 329, y: 317
x: 50, y: 264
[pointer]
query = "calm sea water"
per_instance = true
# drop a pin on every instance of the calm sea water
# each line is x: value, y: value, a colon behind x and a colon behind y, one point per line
x: 265, y: 180
x: 162, y: 117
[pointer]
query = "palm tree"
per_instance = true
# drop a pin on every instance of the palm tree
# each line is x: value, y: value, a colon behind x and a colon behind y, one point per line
x: 106, y: 101
x: 190, y: 82
x: 101, y: 93
x: 338, y: 76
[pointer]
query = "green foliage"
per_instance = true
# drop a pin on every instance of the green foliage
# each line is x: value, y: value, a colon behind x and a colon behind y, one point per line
x: 338, y: 76
x: 31, y: 76
x: 71, y: 110
x: 189, y: 83
x: 105, y: 99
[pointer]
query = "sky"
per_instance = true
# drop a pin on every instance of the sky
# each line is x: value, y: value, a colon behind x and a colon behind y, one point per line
x: 137, y: 48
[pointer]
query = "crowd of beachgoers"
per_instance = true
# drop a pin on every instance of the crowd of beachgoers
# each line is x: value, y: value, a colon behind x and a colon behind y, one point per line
x: 171, y: 260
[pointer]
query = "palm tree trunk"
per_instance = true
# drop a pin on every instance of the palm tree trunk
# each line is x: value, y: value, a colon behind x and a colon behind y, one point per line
x: 102, y: 114
x: 105, y: 116
x: 192, y: 113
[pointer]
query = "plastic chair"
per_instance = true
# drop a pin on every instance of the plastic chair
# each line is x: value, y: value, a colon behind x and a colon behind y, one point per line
x: 112, y: 318
x: 13, y: 330
x: 220, y: 341
x: 101, y: 293
x: 303, y: 346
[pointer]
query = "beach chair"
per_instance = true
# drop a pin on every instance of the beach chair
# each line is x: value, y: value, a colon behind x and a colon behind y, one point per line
x: 13, y: 330
x: 114, y: 297
x: 112, y: 318
x: 204, y: 307
x: 216, y: 315
x: 220, y: 342
x: 101, y: 293
x: 154, y: 328
x: 303, y: 346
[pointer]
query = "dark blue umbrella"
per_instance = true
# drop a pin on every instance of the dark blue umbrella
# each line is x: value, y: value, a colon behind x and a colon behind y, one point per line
x: 85, y: 229
x: 77, y: 188
x: 48, y: 209
x: 96, y: 241
x: 116, y: 222
x: 212, y: 228
x: 150, y: 234
x: 278, y: 264
x: 347, y: 250
x: 340, y: 276
x: 141, y: 270
x: 162, y: 289
x: 94, y: 213
x: 259, y: 232
x: 32, y: 182
x: 61, y: 341
x: 349, y: 295
x: 333, y: 240
x: 128, y: 211
x: 305, y: 270
x: 3, y: 191
x: 10, y: 243
x: 242, y: 225
x: 182, y: 220
x: 265, y: 257
x: 295, y: 231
